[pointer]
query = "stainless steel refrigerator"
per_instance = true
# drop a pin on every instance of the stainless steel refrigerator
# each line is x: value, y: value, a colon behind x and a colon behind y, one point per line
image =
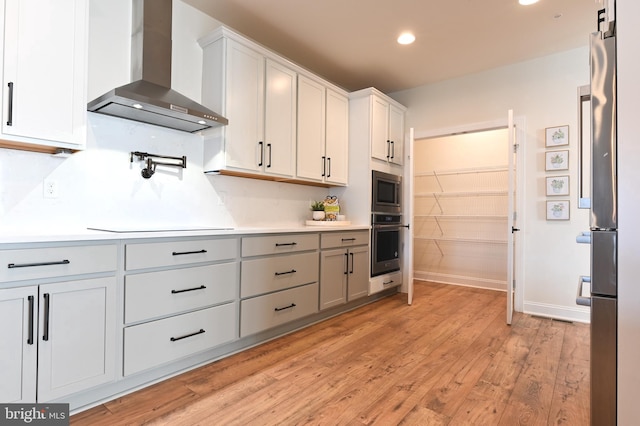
x: 604, y: 227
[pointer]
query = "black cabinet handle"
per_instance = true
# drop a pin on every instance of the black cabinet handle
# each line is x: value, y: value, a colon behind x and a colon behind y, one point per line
x: 261, y: 153
x: 269, y: 163
x: 286, y: 244
x: 346, y: 264
x: 10, y: 105
x: 324, y: 166
x: 352, y: 261
x: 393, y: 149
x: 387, y: 283
x: 329, y: 162
x: 202, y: 287
x: 293, y: 305
x: 344, y: 240
x: 293, y: 271
x: 31, y: 305
x: 45, y: 333
x: 29, y: 265
x: 180, y: 253
x: 175, y: 339
x: 388, y: 149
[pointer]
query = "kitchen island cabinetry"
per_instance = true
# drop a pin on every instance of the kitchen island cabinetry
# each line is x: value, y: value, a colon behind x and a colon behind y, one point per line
x: 52, y: 36
x: 344, y: 267
x: 323, y: 132
x: 59, y: 330
x: 257, y: 94
x: 279, y: 280
x: 380, y: 120
x: 186, y: 304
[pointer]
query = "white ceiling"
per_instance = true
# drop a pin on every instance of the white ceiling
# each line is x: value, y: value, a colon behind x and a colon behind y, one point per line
x: 352, y: 42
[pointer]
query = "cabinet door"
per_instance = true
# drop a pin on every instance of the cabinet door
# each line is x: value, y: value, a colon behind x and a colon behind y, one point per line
x: 280, y: 120
x: 44, y: 95
x: 76, y: 339
x: 379, y: 128
x: 333, y: 278
x: 337, y: 138
x: 244, y: 98
x: 311, y: 130
x: 396, y: 134
x: 18, y: 344
x: 358, y: 272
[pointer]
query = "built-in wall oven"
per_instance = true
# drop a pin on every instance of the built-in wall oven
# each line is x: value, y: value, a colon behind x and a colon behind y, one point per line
x: 386, y: 243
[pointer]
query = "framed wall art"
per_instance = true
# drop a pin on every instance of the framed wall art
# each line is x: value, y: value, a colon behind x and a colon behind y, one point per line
x: 558, y: 185
x: 556, y: 136
x: 557, y: 160
x: 558, y: 210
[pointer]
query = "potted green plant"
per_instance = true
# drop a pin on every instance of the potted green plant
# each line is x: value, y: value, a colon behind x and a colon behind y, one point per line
x: 318, y: 210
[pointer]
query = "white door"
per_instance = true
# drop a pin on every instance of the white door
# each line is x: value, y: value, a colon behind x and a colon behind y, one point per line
x: 407, y: 280
x: 511, y: 216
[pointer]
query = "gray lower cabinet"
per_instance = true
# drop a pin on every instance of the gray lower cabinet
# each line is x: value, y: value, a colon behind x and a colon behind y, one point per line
x: 57, y: 338
x: 279, y: 280
x: 344, y: 271
x: 180, y: 298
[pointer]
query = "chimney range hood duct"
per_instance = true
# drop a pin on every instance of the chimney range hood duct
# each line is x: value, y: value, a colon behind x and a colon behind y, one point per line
x: 149, y: 98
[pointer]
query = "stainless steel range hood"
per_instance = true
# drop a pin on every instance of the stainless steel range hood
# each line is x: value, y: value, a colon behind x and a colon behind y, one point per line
x: 149, y: 98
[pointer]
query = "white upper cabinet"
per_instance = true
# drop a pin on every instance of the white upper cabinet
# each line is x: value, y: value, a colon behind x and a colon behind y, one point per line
x: 284, y: 123
x: 258, y: 97
x: 385, y: 123
x: 323, y: 132
x: 44, y: 72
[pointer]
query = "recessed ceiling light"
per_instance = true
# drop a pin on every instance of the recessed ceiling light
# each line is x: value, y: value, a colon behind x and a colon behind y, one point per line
x: 527, y: 2
x: 406, y: 38
x: 137, y: 106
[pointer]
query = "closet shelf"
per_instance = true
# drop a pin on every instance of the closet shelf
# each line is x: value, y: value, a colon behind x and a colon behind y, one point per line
x: 461, y: 194
x: 462, y: 216
x: 463, y: 171
x: 461, y: 240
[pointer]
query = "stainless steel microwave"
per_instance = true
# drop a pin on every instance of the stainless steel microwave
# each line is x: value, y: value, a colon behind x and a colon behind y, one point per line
x: 386, y: 192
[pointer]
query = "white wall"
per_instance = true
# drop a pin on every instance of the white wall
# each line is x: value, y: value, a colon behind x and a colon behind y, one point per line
x: 627, y: 14
x: 542, y: 93
x: 99, y: 186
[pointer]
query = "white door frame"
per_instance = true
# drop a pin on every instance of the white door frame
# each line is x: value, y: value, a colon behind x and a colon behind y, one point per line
x: 502, y: 123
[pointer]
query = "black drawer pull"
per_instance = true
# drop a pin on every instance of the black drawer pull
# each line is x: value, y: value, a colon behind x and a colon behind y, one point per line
x: 29, y: 265
x: 31, y: 305
x: 388, y: 282
x: 286, y: 244
x: 45, y: 333
x: 10, y: 105
x: 175, y: 339
x: 293, y: 271
x: 202, y: 287
x: 180, y: 253
x: 293, y: 305
x: 344, y: 240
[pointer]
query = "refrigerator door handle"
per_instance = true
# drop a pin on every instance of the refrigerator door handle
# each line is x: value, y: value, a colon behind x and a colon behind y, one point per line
x: 580, y: 299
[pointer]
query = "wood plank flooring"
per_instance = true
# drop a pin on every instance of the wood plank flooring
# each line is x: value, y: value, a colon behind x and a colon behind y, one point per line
x: 449, y: 359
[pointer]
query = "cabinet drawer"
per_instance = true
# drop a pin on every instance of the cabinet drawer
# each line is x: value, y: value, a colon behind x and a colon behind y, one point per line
x: 264, y: 312
x: 158, y: 342
x: 344, y: 239
x: 149, y: 255
x: 383, y: 282
x: 258, y: 246
x: 156, y: 294
x: 269, y: 274
x: 52, y: 262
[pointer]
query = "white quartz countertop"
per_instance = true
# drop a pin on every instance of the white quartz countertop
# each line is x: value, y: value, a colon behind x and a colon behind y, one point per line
x: 97, y: 232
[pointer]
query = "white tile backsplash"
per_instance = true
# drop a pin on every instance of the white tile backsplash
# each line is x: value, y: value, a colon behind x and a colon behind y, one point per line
x: 100, y: 186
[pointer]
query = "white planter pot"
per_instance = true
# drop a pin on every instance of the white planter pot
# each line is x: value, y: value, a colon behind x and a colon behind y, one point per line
x: 318, y: 215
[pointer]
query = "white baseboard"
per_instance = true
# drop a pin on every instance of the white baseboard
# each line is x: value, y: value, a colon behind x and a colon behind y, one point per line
x: 577, y: 314
x: 460, y: 280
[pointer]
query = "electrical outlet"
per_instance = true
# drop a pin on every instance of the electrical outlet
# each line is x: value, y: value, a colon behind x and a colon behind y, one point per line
x: 50, y: 189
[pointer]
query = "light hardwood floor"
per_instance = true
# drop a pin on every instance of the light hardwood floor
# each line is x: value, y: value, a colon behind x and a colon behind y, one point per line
x: 449, y: 359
